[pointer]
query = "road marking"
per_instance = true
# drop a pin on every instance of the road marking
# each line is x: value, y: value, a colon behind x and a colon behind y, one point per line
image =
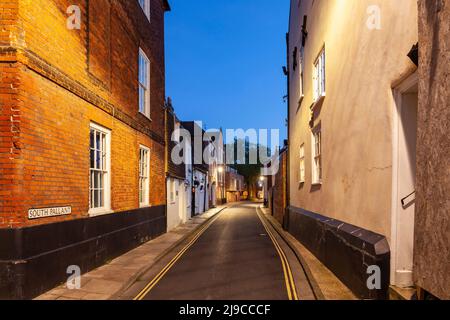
x: 169, y: 266
x: 288, y: 277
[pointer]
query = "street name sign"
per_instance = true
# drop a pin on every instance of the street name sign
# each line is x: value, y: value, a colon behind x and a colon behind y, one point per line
x: 48, y: 212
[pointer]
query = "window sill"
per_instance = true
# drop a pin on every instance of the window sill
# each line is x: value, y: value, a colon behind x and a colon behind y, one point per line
x: 319, y: 101
x: 144, y: 205
x: 300, y: 101
x: 146, y: 116
x: 99, y: 212
x: 316, y: 184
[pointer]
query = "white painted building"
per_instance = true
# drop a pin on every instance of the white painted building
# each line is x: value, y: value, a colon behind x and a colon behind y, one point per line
x: 201, y: 197
x: 178, y: 174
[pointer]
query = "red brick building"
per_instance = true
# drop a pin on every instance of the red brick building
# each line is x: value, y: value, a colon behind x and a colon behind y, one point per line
x: 234, y: 185
x: 82, y: 145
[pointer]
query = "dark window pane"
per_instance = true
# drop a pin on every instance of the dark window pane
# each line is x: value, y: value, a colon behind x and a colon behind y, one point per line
x: 96, y: 199
x: 102, y: 200
x: 92, y: 159
x: 97, y: 141
x: 92, y: 139
x: 98, y: 160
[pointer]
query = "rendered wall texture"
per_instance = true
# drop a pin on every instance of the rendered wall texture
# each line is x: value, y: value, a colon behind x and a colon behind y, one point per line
x: 362, y: 67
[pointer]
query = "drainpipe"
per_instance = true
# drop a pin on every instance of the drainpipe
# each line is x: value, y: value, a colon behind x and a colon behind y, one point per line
x: 288, y: 164
x: 166, y: 156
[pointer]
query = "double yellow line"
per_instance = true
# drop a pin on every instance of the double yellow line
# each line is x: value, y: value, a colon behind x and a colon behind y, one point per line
x: 288, y: 277
x: 169, y: 266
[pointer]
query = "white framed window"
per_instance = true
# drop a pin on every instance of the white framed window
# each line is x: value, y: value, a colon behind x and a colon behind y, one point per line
x: 145, y: 5
x: 144, y: 176
x: 301, y: 70
x: 302, y: 164
x: 319, y: 82
x: 100, y: 170
x: 317, y: 155
x: 172, y: 190
x: 144, y: 84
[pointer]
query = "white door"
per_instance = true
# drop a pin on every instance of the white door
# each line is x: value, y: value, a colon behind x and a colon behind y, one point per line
x: 404, y: 181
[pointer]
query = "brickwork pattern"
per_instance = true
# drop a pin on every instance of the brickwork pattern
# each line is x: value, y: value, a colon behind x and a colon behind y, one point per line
x: 54, y: 82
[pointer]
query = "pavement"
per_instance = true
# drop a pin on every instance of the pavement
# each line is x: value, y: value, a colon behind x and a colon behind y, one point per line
x: 110, y: 280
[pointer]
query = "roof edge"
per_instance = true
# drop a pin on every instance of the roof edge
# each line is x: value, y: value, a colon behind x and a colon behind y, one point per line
x: 167, y: 5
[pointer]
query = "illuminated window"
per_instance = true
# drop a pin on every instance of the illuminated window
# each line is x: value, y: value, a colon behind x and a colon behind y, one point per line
x: 144, y: 176
x: 172, y: 190
x: 302, y: 164
x: 317, y: 155
x: 99, y: 177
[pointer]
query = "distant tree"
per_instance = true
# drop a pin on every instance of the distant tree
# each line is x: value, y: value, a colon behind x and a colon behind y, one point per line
x: 250, y: 172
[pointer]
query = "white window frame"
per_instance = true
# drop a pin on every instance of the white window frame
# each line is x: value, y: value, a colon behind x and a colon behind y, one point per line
x: 145, y: 86
x: 317, y: 163
x: 106, y: 171
x: 172, y: 191
x: 301, y: 74
x: 319, y: 76
x: 144, y: 177
x: 145, y: 5
x: 302, y: 165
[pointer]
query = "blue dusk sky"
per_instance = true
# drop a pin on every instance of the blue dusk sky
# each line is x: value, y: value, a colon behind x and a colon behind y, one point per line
x: 224, y: 62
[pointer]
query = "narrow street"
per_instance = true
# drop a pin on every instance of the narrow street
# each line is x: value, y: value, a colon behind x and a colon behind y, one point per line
x: 233, y: 257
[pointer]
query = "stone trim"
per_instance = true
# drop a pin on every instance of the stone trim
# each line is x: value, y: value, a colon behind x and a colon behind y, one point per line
x: 345, y: 249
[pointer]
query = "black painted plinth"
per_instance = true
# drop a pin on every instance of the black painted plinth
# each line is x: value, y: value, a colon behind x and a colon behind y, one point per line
x: 35, y: 259
x: 345, y: 249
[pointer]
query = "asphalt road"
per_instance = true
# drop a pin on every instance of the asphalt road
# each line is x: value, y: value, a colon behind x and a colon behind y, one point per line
x: 234, y: 259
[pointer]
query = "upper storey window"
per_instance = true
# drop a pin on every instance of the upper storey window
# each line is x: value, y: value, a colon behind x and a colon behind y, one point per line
x: 144, y: 84
x: 145, y: 5
x: 319, y: 76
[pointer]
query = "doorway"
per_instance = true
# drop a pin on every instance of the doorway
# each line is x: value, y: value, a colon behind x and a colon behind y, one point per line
x: 404, y: 182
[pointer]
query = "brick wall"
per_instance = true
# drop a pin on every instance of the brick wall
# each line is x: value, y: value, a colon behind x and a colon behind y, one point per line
x: 279, y: 190
x: 54, y: 82
x: 8, y: 101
